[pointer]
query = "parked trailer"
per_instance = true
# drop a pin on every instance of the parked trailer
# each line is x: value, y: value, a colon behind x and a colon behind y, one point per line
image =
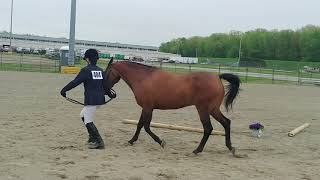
x: 184, y: 60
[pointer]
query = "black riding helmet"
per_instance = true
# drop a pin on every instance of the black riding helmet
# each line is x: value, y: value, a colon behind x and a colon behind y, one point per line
x: 92, y: 55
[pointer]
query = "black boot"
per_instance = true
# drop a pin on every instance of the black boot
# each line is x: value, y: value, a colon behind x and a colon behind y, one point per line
x: 91, y: 138
x: 98, y: 142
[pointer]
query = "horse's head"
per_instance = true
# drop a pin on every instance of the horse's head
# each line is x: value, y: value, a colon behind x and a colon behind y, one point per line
x: 111, y: 75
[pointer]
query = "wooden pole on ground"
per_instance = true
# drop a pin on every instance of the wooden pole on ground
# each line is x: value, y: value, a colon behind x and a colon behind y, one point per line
x: 298, y: 129
x: 173, y: 127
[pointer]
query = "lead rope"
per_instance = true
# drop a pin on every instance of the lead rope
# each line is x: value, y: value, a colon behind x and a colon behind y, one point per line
x: 113, y: 93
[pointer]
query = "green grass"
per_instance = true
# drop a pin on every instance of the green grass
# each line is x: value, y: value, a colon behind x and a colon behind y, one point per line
x: 223, y: 61
x: 277, y: 64
x: 288, y: 68
x: 289, y: 65
x: 28, y: 67
x: 253, y: 80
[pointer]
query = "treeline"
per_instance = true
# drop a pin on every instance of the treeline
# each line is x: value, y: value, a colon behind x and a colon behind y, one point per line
x: 302, y: 44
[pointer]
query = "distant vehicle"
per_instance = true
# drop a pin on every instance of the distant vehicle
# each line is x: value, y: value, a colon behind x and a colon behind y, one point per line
x: 26, y: 50
x: 164, y: 60
x: 136, y: 59
x: 126, y: 58
x: 49, y: 51
x: 19, y: 49
x: 79, y: 53
x: 154, y: 59
x: 184, y: 60
x: 42, y: 51
x: 54, y: 55
x: 35, y: 51
x: 6, y: 49
x: 311, y: 69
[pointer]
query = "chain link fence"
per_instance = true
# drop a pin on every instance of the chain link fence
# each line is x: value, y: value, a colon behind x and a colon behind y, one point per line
x: 247, y: 74
x: 41, y: 63
x: 27, y: 62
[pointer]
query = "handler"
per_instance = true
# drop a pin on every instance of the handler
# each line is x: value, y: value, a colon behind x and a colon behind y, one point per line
x: 92, y: 78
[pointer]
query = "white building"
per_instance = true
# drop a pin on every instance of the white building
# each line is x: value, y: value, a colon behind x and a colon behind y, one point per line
x: 42, y: 42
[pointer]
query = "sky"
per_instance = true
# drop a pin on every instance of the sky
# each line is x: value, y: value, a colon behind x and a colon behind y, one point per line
x: 151, y: 22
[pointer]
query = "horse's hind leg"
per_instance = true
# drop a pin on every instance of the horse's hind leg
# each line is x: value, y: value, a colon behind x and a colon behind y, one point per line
x: 225, y: 122
x: 143, y: 116
x: 207, y: 127
x: 148, y: 130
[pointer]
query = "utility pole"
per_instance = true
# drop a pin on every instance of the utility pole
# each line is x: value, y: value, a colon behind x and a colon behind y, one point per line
x: 11, y: 22
x: 239, y: 56
x: 72, y: 33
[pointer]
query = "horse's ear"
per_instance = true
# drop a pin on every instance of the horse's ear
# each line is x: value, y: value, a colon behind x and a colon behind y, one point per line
x: 110, y: 62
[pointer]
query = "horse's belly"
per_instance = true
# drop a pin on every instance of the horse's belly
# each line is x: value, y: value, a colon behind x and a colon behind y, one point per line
x: 171, y: 103
x: 166, y: 107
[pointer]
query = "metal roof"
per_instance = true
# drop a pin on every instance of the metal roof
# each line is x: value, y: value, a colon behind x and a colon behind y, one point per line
x: 65, y: 40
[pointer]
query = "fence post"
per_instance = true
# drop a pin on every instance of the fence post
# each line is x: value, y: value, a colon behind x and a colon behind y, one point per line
x: 299, y: 77
x: 273, y: 75
x: 1, y: 59
x: 260, y: 71
x: 219, y: 69
x: 59, y: 66
x: 175, y: 67
x: 247, y: 69
x: 160, y: 64
x: 55, y: 66
x: 40, y: 64
x: 20, y: 63
x: 299, y: 74
x: 189, y: 67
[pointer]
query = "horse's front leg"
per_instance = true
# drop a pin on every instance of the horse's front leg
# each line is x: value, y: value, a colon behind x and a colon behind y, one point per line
x: 139, y: 126
x: 148, y: 130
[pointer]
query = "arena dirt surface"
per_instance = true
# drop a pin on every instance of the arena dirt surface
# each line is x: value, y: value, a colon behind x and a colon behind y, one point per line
x: 42, y: 136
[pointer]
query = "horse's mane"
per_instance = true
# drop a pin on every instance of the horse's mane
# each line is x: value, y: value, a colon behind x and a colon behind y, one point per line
x: 141, y: 66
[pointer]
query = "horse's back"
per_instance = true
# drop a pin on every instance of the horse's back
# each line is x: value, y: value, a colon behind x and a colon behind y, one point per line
x: 172, y: 91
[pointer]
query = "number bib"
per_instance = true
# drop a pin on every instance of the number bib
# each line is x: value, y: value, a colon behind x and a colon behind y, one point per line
x: 96, y: 75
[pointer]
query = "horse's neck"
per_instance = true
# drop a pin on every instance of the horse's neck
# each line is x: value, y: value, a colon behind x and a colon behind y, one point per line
x: 131, y: 77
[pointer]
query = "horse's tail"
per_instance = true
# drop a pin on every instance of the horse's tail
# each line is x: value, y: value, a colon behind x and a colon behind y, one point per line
x: 233, y: 88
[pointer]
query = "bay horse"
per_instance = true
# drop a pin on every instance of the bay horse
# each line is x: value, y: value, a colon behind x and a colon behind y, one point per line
x: 154, y: 88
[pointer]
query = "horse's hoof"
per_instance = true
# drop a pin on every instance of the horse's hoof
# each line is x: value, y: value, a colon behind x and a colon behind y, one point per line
x: 130, y: 142
x: 196, y: 151
x: 163, y: 143
x: 233, y: 151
